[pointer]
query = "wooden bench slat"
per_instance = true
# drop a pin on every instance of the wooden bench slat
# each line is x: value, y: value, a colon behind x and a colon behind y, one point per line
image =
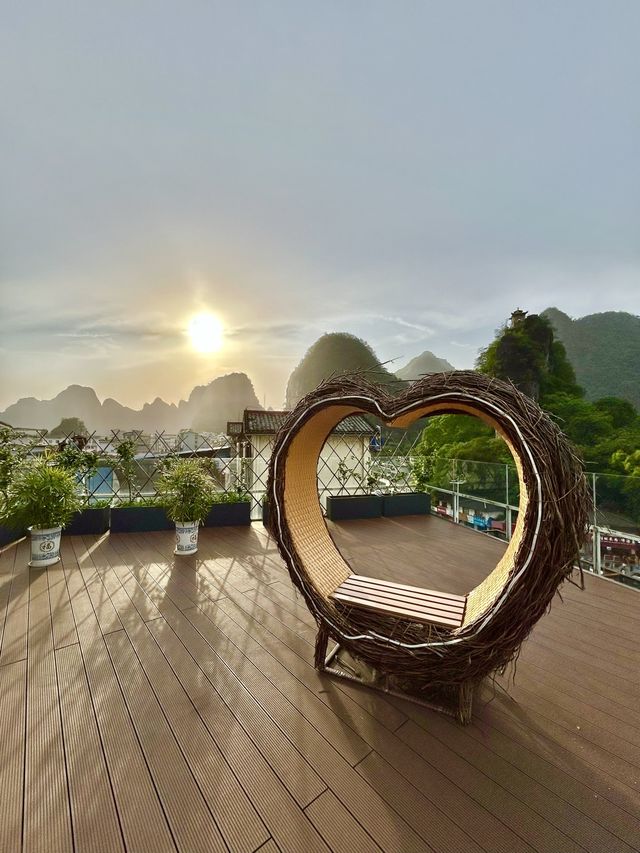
x: 411, y: 603
x: 418, y: 598
x: 414, y: 603
x: 417, y: 616
x: 400, y: 586
x: 417, y: 594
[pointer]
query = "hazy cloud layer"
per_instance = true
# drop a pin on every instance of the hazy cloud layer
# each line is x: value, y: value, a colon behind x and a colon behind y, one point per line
x: 406, y: 172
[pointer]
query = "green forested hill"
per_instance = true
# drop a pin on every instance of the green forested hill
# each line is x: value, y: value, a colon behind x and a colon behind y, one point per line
x: 331, y: 355
x: 604, y: 350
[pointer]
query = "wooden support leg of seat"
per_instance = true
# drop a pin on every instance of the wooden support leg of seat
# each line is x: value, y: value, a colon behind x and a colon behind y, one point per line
x: 322, y: 640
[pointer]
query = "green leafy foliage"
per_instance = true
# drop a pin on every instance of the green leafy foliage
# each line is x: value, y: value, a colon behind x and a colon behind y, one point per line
x: 231, y: 498
x: 628, y: 462
x: 126, y: 466
x: 461, y: 437
x: 41, y: 494
x: 621, y: 412
x: 186, y: 490
x: 12, y: 451
x: 143, y: 501
x: 73, y: 458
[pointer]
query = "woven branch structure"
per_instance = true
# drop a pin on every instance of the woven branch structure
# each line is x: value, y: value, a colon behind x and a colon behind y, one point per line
x: 501, y: 611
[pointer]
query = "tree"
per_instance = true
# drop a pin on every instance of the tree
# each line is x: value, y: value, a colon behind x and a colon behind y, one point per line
x: 629, y: 462
x: 467, y: 438
x: 621, y: 412
x: 582, y: 422
x: 68, y: 427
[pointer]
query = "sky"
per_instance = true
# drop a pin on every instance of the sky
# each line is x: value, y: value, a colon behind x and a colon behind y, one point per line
x: 408, y: 172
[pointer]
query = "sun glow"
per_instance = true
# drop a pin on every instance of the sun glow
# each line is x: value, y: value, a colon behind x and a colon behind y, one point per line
x: 206, y: 332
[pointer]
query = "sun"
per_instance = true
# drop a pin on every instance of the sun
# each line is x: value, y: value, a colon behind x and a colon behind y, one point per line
x: 206, y: 332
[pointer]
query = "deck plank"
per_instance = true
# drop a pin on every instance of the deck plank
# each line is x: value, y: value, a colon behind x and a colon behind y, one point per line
x: 144, y: 825
x: 270, y: 610
x: 13, y: 693
x: 14, y: 639
x: 64, y: 626
x: 7, y: 561
x: 548, y: 765
x: 192, y: 824
x: 96, y: 828
x: 270, y: 785
x: 341, y: 831
x: 238, y: 821
x: 47, y: 817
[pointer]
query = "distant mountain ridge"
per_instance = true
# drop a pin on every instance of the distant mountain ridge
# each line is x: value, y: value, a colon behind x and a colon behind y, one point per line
x: 340, y: 352
x: 426, y: 362
x: 604, y: 350
x: 208, y: 408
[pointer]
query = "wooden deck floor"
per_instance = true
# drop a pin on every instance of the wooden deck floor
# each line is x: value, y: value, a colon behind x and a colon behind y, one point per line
x: 152, y: 703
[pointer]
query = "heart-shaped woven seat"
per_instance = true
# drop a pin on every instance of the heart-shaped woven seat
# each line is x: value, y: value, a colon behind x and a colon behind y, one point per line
x: 445, y: 657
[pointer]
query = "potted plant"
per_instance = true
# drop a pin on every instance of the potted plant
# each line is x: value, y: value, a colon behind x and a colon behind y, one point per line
x: 43, y: 495
x: 186, y: 491
x: 229, y: 508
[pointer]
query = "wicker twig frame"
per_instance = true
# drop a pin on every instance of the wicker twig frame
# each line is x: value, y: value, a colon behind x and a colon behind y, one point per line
x: 502, y: 610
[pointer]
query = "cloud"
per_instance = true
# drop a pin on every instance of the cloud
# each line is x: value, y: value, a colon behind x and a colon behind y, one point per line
x: 267, y: 332
x: 462, y: 345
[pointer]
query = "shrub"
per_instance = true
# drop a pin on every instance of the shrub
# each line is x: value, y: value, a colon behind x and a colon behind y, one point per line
x: 186, y: 490
x: 41, y: 494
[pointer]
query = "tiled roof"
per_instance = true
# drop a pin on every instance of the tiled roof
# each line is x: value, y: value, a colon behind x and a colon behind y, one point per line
x: 257, y: 422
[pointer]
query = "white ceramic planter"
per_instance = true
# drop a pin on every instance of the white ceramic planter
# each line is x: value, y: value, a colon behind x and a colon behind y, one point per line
x: 186, y: 537
x: 45, y: 546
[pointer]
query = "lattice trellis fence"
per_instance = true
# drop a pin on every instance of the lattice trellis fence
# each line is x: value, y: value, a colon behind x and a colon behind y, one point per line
x: 123, y: 466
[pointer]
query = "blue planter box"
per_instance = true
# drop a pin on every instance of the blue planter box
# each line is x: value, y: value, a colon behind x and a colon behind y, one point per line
x: 89, y: 521
x: 406, y: 503
x: 10, y: 533
x: 222, y: 515
x: 346, y: 507
x: 139, y: 519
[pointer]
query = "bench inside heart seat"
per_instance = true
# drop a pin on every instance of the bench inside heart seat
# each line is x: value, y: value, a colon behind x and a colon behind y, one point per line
x: 407, y: 602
